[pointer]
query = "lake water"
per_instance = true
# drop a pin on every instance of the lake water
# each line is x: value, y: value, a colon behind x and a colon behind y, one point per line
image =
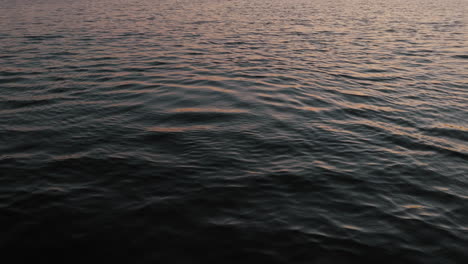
x: 217, y: 131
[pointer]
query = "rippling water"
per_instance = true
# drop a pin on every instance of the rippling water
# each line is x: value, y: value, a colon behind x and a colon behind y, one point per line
x: 268, y: 131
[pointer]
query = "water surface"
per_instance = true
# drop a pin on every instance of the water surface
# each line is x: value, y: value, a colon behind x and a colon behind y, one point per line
x: 267, y: 131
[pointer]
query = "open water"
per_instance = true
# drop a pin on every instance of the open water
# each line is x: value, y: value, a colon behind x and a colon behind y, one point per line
x: 234, y: 131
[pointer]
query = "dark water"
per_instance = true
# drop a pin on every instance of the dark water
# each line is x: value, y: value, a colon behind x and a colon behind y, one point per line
x: 217, y: 131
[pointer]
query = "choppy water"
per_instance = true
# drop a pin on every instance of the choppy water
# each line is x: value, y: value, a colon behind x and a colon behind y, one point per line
x: 199, y: 131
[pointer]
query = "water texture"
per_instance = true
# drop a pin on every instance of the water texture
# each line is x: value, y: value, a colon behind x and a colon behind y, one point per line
x: 217, y: 131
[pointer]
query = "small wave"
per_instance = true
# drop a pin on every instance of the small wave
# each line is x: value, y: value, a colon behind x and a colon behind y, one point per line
x: 207, y: 110
x: 460, y: 56
x: 179, y: 129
